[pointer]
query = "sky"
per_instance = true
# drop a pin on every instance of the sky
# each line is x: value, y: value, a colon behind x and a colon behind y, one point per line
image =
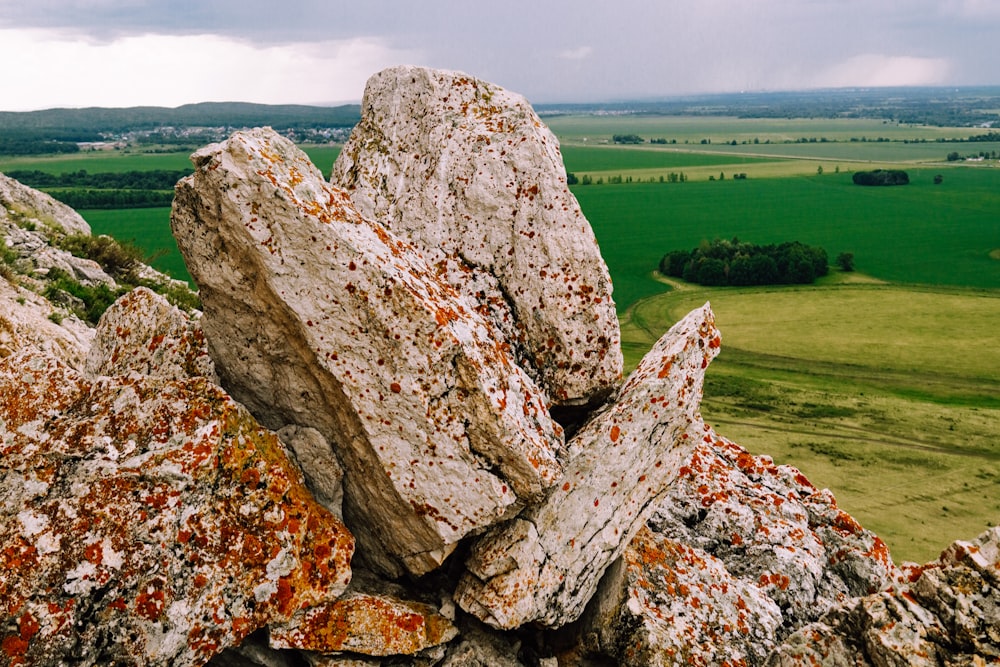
x: 118, y: 53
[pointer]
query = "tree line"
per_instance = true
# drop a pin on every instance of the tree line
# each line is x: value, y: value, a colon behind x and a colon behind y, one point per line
x: 739, y: 263
x: 155, y: 179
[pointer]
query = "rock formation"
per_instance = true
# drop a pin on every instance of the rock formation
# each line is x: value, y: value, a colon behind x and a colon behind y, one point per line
x: 407, y: 340
x: 148, y: 521
x: 467, y: 172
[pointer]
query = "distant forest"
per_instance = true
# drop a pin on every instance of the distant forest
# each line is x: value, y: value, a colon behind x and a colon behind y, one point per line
x: 60, y: 130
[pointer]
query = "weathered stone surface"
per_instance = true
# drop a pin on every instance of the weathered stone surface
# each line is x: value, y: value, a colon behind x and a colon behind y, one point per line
x: 467, y: 172
x: 478, y: 646
x: 147, y: 522
x: 18, y: 202
x: 142, y: 333
x: 376, y: 625
x: 738, y: 554
x: 666, y: 603
x: 319, y: 317
x: 545, y: 565
x: 25, y: 323
x: 772, y: 527
x: 948, y: 613
x: 323, y: 473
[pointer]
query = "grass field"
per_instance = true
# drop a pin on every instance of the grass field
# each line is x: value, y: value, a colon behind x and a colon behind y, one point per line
x: 920, y: 233
x: 148, y: 228
x: 886, y: 394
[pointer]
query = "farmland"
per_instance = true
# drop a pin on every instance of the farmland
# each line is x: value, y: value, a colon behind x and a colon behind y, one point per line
x: 880, y: 384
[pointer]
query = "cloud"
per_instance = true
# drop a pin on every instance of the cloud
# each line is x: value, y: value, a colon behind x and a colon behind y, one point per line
x: 580, y: 53
x: 172, y: 70
x: 875, y: 70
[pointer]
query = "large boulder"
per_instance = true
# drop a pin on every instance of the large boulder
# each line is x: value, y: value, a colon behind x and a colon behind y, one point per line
x: 545, y: 565
x: 738, y: 554
x: 28, y: 320
x: 467, y: 172
x: 947, y: 613
x: 319, y: 317
x: 31, y: 207
x: 147, y: 522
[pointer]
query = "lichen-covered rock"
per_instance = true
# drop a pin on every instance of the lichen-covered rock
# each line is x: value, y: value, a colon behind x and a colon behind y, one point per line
x: 319, y: 317
x: 738, y: 554
x: 948, y: 613
x: 142, y: 333
x: 667, y: 603
x: 147, y: 522
x: 771, y: 527
x: 467, y: 172
x: 375, y: 625
x: 545, y: 565
x: 22, y: 204
x: 26, y: 322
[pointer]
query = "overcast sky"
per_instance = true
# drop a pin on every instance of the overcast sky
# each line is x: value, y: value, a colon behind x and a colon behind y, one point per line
x: 77, y: 53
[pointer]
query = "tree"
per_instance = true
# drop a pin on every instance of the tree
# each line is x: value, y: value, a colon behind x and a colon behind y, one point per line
x: 819, y: 170
x: 845, y: 261
x: 938, y: 179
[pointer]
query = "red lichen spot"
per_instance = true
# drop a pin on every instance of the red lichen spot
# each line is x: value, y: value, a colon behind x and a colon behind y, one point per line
x: 395, y: 388
x: 94, y: 553
x: 597, y: 501
x: 118, y: 604
x: 149, y: 605
x: 565, y: 487
x: 615, y: 432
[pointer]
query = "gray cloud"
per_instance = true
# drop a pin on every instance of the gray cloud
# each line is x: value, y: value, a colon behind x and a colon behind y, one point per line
x: 557, y: 50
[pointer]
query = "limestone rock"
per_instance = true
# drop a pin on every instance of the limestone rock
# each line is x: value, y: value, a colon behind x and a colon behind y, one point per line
x: 323, y: 472
x: 772, y: 527
x: 738, y: 554
x: 21, y: 203
x: 25, y: 323
x: 375, y: 625
x: 947, y: 614
x: 467, y: 172
x: 668, y: 603
x: 545, y: 565
x: 147, y: 521
x: 142, y: 333
x: 319, y: 317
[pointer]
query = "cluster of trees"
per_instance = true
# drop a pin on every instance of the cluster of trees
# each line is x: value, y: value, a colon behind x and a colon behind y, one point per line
x: 587, y: 179
x: 156, y: 179
x: 881, y: 177
x: 627, y: 139
x: 734, y: 262
x: 35, y: 145
x: 105, y: 190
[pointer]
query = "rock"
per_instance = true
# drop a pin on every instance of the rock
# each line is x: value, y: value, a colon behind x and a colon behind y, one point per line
x: 29, y: 206
x: 545, y: 565
x: 316, y: 459
x: 147, y: 521
x: 26, y: 322
x: 668, y: 603
x: 738, y: 554
x: 142, y: 333
x: 478, y: 646
x: 771, y: 527
x: 467, y: 172
x: 374, y: 625
x: 948, y: 613
x: 319, y: 317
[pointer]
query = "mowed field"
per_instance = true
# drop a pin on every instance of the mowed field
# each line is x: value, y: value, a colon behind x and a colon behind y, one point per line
x: 881, y: 384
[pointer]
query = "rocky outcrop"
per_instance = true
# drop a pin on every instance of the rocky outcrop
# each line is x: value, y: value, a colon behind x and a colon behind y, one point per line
x: 467, y: 172
x: 319, y: 317
x: 148, y: 521
x: 947, y: 613
x: 142, y: 333
x: 545, y: 565
x: 27, y: 321
x: 21, y: 204
x: 738, y: 553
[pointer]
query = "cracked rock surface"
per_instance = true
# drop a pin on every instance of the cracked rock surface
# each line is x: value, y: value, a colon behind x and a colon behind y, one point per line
x: 317, y: 316
x: 467, y: 172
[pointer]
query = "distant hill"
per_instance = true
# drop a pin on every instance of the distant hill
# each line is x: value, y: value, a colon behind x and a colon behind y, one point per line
x: 91, y: 123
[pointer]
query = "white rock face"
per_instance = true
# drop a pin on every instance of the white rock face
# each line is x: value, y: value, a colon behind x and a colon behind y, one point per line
x: 545, y: 565
x: 25, y: 323
x: 21, y: 201
x: 467, y: 172
x: 142, y: 333
x: 317, y: 316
